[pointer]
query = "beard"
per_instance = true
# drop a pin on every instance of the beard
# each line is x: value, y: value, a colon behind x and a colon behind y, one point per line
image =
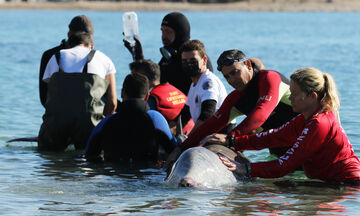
x: 166, y: 42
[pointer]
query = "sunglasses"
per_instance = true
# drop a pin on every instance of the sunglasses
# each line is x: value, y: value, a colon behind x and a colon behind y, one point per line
x: 228, y: 62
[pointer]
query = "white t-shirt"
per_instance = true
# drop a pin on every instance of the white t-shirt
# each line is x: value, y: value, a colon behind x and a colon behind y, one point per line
x: 73, y: 61
x: 208, y: 87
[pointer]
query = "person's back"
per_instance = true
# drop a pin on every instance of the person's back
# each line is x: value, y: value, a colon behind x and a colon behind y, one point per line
x: 130, y: 134
x: 334, y: 158
x: 77, y: 79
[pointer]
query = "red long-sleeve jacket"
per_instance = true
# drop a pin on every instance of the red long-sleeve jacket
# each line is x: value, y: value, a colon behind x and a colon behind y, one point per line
x: 320, y: 145
x: 265, y: 102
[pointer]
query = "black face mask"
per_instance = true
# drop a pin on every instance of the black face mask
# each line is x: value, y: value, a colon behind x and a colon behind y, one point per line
x: 191, y: 68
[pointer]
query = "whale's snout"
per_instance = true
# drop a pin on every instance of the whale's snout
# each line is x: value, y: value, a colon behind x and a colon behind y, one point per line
x: 187, y: 182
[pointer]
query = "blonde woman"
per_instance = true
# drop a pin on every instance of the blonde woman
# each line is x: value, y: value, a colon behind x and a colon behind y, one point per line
x: 318, y: 141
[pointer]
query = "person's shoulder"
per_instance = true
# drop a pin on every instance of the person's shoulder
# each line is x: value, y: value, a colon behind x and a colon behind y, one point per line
x: 99, y: 54
x: 55, y: 49
x: 154, y: 114
x: 268, y: 73
x: 322, y: 121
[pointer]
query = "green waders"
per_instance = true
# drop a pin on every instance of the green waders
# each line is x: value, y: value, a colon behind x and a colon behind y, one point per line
x: 73, y: 108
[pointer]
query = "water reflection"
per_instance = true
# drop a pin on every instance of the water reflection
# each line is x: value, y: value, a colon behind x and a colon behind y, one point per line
x: 72, y: 164
x: 291, y: 198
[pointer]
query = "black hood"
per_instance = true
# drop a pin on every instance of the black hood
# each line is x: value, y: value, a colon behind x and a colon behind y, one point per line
x: 180, y: 24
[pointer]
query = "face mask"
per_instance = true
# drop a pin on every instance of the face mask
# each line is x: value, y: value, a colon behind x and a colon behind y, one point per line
x: 191, y: 68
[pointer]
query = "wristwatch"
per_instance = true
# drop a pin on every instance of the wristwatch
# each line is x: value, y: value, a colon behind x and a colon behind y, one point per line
x: 231, y: 140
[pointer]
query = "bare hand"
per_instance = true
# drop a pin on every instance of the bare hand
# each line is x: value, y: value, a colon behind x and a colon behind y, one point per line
x: 233, y: 166
x: 219, y: 139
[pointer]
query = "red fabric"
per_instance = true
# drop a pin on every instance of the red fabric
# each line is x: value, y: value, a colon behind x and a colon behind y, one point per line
x: 268, y: 85
x: 319, y: 145
x: 215, y: 123
x: 269, y: 82
x: 170, y: 100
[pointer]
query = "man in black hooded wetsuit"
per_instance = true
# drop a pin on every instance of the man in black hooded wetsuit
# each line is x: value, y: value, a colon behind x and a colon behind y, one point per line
x: 175, y: 29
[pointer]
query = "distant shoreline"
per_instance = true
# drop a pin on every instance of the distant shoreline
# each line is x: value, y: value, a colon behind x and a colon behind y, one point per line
x: 251, y: 5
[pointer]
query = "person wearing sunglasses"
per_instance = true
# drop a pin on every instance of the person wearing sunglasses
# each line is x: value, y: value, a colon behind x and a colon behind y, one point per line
x: 319, y: 143
x: 261, y: 95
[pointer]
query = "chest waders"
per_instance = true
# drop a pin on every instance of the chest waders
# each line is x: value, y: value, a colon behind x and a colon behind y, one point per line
x: 73, y: 108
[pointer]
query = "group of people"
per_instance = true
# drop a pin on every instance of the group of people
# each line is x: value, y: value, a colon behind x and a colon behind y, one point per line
x: 180, y: 103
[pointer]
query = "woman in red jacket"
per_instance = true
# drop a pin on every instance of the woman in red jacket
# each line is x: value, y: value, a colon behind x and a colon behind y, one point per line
x: 318, y: 141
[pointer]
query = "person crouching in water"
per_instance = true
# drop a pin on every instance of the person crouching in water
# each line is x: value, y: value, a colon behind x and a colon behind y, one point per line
x: 318, y: 141
x: 134, y: 133
x: 77, y: 79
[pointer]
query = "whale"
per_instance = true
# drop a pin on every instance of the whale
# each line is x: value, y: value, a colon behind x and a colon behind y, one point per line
x: 201, y: 167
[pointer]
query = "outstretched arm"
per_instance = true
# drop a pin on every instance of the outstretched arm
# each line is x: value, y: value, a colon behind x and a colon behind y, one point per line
x: 136, y: 50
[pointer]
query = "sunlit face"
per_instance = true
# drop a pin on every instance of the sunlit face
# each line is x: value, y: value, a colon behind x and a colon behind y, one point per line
x: 167, y: 35
x: 300, y: 101
x: 238, y: 75
x: 194, y: 55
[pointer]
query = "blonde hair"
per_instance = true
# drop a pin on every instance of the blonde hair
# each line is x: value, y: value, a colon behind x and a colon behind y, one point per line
x: 313, y: 80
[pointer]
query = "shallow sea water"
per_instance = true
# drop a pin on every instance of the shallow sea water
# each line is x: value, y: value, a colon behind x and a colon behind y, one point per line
x: 33, y: 183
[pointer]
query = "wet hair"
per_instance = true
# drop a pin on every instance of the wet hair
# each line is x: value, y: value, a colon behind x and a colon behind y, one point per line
x: 146, y: 67
x: 313, y: 80
x: 193, y: 45
x: 80, y: 38
x: 135, y: 86
x: 229, y: 56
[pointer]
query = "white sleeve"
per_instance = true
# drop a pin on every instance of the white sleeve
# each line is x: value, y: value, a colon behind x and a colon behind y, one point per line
x: 111, y: 68
x: 109, y: 65
x: 51, y: 67
x: 209, y: 90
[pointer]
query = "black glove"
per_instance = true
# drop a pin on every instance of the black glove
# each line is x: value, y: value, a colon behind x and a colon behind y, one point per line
x: 136, y: 50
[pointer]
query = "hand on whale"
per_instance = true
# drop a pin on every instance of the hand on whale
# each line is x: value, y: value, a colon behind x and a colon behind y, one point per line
x: 238, y: 168
x: 202, y: 167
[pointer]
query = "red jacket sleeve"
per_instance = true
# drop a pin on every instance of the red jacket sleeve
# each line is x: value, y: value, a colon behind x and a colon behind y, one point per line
x: 269, y: 85
x: 214, y: 124
x: 304, y: 147
x: 273, y: 138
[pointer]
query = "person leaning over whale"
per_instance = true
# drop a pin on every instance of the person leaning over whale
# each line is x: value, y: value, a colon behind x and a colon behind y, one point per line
x: 133, y: 133
x: 318, y: 141
x: 261, y: 95
x: 77, y: 77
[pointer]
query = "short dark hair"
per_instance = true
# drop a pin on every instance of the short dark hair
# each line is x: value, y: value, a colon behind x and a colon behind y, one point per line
x: 146, y: 67
x: 229, y: 56
x: 135, y: 86
x: 81, y: 23
x: 80, y: 38
x: 193, y: 45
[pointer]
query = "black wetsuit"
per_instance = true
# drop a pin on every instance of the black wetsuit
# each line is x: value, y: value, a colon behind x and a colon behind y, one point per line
x: 171, y: 69
x: 128, y: 135
x: 43, y: 86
